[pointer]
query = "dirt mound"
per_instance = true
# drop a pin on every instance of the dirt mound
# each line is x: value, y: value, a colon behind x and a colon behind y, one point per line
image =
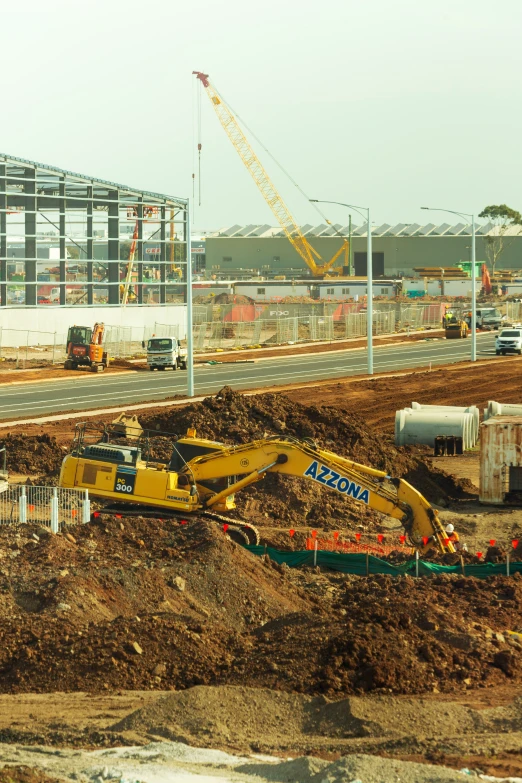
x: 397, y: 635
x: 33, y: 454
x: 257, y: 719
x: 231, y: 417
x: 22, y: 774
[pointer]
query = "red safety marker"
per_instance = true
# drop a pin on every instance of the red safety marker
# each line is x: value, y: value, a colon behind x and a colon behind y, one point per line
x: 183, y: 522
x: 292, y: 533
x: 425, y: 540
x: 479, y: 555
x: 96, y: 514
x: 492, y: 541
x: 514, y: 543
x: 380, y: 538
x: 314, y: 533
x: 358, y: 536
x: 402, y: 539
x: 118, y: 516
x: 225, y: 527
x: 336, y: 535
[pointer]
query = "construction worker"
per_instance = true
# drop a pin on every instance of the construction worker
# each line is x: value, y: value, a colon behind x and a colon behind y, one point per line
x: 452, y: 535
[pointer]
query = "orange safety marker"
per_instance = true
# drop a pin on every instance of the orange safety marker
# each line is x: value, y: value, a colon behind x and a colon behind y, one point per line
x: 402, y: 539
x: 380, y: 538
x: 292, y: 533
x: 479, y: 555
x: 183, y: 522
x: 514, y: 543
x: 225, y: 527
x: 336, y: 535
x: 73, y: 512
x: 425, y: 540
x: 96, y: 514
x: 31, y: 508
x: 314, y: 533
x: 358, y: 536
x: 492, y: 541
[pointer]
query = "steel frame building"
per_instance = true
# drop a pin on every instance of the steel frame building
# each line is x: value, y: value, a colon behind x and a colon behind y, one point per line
x: 70, y: 239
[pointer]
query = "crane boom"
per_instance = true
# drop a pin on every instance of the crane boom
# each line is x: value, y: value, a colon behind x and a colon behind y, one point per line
x: 265, y: 184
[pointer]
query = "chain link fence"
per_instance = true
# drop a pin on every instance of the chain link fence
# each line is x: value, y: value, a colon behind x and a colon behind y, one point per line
x: 52, y: 507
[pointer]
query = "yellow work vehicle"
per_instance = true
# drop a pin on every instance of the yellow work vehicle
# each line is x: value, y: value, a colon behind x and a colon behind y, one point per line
x: 455, y: 327
x: 204, y: 475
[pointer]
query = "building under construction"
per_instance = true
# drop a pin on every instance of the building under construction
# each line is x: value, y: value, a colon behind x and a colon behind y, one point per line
x: 68, y: 239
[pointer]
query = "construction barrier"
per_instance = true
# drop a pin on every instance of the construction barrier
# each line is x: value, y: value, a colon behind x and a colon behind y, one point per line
x: 366, y: 564
x: 53, y: 507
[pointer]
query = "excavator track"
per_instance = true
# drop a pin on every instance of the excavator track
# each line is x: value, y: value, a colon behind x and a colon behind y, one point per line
x: 241, y: 532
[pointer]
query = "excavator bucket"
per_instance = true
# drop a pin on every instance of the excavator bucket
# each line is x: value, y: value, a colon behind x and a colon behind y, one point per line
x: 127, y: 426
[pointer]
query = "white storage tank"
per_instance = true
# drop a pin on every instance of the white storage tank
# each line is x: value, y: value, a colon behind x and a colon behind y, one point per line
x: 423, y: 426
x: 456, y: 409
x: 502, y: 409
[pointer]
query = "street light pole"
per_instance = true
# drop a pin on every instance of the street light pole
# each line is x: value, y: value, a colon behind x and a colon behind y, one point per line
x: 473, y: 275
x: 369, y: 293
x: 369, y: 273
x: 190, y: 345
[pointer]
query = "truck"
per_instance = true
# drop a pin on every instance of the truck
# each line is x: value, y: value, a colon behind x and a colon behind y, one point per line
x: 509, y: 341
x: 488, y: 318
x: 163, y: 352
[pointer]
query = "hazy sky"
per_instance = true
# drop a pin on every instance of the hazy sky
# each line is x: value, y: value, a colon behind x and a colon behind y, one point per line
x: 391, y: 103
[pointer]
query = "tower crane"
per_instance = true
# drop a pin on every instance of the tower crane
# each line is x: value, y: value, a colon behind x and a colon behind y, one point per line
x: 268, y: 190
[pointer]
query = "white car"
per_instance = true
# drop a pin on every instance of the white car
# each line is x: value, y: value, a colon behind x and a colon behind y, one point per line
x: 509, y: 341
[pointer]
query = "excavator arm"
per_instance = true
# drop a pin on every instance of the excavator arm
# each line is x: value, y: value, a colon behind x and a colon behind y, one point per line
x: 394, y: 497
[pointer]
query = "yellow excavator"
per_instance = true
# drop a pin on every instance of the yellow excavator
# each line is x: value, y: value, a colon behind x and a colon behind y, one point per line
x: 202, y: 477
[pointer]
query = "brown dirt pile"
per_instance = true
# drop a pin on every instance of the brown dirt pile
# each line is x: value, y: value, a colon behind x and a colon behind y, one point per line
x: 33, y: 454
x: 145, y: 604
x: 263, y: 720
x: 231, y: 417
x: 22, y: 774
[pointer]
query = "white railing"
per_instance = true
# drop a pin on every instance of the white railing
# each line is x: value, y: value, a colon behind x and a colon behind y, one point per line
x: 52, y: 507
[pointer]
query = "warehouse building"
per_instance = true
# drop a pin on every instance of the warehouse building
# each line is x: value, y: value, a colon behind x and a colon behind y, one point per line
x: 265, y: 251
x: 70, y: 241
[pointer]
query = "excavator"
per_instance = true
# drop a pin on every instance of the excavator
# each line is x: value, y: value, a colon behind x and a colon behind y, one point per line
x: 85, y: 348
x: 202, y: 477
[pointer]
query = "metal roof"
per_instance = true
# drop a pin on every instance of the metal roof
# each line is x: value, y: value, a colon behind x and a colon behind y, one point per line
x: 405, y: 230
x: 54, y: 170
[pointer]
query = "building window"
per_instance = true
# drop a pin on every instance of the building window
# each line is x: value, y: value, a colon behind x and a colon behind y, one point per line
x: 227, y: 259
x: 346, y: 291
x: 276, y: 258
x: 384, y: 291
x: 261, y: 291
x: 329, y: 292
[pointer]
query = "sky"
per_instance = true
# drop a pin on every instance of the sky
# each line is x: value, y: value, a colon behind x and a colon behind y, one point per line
x: 391, y: 104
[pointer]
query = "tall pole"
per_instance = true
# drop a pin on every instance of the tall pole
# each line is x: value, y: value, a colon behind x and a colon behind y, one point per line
x: 369, y: 293
x: 190, y: 344
x: 350, y: 256
x: 473, y: 294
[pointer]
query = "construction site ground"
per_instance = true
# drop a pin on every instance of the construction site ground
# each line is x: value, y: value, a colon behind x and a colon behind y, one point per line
x: 132, y: 631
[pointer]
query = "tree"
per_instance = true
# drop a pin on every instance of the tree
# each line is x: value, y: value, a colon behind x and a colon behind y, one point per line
x: 503, y: 218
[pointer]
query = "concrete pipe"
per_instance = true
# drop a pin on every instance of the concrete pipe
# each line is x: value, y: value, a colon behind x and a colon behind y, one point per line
x: 503, y: 409
x: 456, y: 409
x: 423, y: 426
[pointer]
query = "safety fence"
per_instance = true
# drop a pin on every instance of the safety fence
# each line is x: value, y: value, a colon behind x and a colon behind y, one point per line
x: 121, y: 342
x: 52, y: 507
x: 514, y: 311
x: 367, y: 564
x: 355, y: 547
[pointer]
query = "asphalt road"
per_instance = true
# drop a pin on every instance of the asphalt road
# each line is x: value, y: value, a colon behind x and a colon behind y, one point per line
x: 98, y: 391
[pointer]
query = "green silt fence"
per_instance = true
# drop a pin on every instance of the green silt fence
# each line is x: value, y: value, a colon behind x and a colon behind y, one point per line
x: 364, y: 565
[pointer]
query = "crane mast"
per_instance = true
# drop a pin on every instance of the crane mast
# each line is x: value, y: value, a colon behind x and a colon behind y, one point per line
x: 265, y: 184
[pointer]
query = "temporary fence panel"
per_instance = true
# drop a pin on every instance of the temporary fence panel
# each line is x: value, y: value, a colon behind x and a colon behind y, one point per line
x: 514, y: 311
x: 53, y: 507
